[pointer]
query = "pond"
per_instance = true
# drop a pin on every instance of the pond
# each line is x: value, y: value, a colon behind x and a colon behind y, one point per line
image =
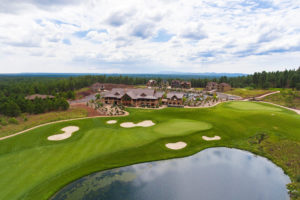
x: 212, y: 174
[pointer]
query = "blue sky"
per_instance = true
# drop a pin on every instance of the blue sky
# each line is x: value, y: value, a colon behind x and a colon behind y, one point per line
x: 138, y: 36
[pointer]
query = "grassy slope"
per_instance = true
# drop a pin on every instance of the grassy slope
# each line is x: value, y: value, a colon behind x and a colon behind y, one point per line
x: 79, y: 93
x: 34, y: 168
x: 34, y: 120
x: 286, y: 97
x: 247, y: 93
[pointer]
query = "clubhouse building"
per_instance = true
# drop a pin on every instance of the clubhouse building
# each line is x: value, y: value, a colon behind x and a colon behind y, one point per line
x: 174, y: 99
x: 222, y: 87
x: 140, y: 97
x: 132, y: 97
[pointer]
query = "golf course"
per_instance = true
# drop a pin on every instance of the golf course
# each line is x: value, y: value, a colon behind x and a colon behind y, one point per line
x: 33, y: 167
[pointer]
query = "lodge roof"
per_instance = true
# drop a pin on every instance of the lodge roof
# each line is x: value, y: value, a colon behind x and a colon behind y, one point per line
x: 176, y: 94
x: 212, y: 83
x: 133, y: 93
x: 224, y: 84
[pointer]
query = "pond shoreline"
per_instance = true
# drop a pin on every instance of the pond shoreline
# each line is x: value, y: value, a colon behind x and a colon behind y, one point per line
x: 251, y: 151
x: 182, y: 160
x: 155, y: 150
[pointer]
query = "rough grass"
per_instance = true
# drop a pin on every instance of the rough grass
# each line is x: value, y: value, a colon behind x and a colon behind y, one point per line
x: 247, y: 92
x: 286, y: 97
x: 198, y: 89
x: 34, y: 120
x: 82, y: 92
x: 34, y: 168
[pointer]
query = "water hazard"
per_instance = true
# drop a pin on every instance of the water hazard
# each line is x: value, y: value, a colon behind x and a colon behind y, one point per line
x: 212, y: 174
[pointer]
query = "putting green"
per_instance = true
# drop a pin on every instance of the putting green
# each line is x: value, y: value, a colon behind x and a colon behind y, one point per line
x: 177, y: 127
x: 34, y: 168
x: 244, y: 105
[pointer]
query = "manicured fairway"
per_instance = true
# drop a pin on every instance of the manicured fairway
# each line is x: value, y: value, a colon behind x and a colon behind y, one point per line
x: 34, y: 168
x: 253, y: 106
x: 179, y: 127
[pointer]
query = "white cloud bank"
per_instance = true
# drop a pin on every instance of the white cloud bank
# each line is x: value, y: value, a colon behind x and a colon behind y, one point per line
x: 136, y: 36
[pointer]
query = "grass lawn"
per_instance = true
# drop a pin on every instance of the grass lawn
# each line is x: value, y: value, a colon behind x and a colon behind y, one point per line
x: 286, y: 97
x: 82, y: 92
x: 141, y: 86
x: 34, y: 168
x: 248, y: 93
x: 34, y: 120
x: 198, y: 89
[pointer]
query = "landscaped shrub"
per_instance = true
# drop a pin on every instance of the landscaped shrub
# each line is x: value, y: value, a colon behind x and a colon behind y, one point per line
x: 258, y: 138
x: 3, y: 121
x: 298, y: 178
x: 25, y: 119
x: 13, y: 120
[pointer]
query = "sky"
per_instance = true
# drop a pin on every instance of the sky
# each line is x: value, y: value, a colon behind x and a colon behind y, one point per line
x: 139, y: 36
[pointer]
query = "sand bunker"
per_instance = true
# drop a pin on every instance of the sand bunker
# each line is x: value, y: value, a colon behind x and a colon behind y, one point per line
x: 211, y: 138
x: 176, y: 146
x: 67, y: 133
x: 111, y: 122
x: 145, y: 123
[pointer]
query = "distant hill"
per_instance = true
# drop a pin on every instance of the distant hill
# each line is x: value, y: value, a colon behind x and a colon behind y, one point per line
x: 165, y: 75
x: 208, y: 74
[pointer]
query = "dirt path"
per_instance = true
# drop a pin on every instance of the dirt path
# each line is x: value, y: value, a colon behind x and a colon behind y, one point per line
x: 263, y: 96
x: 295, y: 110
x: 268, y: 94
x: 292, y: 109
x: 66, y: 120
x: 126, y: 113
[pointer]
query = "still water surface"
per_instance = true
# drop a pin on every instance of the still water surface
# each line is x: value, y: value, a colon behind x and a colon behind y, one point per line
x: 212, y: 174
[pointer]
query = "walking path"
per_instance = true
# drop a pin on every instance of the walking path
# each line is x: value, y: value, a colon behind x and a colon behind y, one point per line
x: 9, y: 136
x: 262, y: 96
x: 66, y: 120
x: 292, y: 109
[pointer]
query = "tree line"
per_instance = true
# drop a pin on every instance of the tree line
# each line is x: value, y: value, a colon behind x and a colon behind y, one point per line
x: 259, y: 80
x: 14, y: 89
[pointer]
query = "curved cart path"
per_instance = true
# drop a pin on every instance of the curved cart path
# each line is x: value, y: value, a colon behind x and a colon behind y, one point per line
x: 292, y: 109
x: 9, y: 136
x: 268, y: 94
x: 66, y: 120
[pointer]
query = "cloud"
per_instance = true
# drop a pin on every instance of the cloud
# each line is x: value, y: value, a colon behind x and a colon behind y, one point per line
x: 15, y: 6
x: 143, y: 30
x: 119, y: 18
x: 83, y: 34
x: 258, y: 4
x: 113, y: 36
x: 194, y: 32
x: 27, y: 43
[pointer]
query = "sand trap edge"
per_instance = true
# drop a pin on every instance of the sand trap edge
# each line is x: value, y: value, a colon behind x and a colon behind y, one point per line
x: 211, y: 138
x: 146, y: 123
x: 176, y: 145
x: 111, y: 121
x: 68, y: 131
